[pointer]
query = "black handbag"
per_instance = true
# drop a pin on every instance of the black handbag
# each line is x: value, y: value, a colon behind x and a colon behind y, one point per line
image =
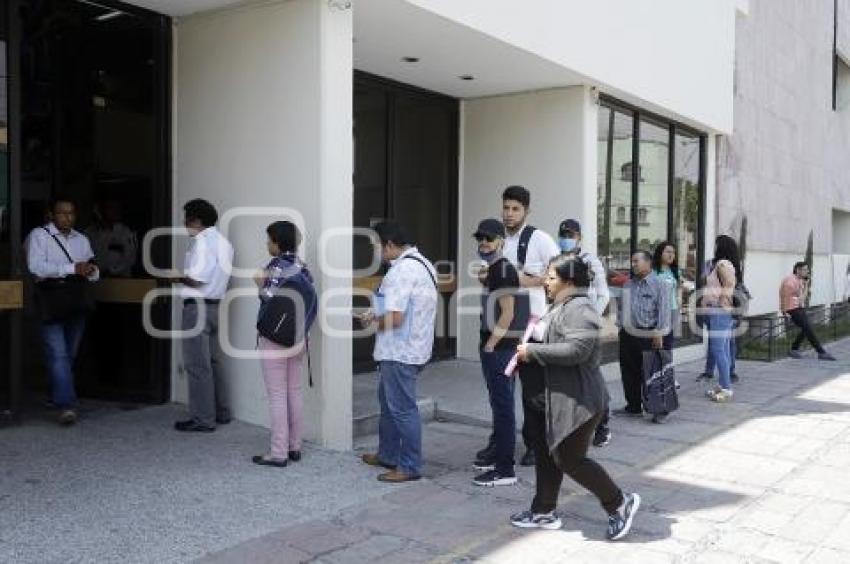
x: 61, y: 299
x: 659, y: 382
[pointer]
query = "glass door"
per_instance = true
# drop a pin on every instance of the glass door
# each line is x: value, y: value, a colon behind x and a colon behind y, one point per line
x: 11, y: 286
x: 94, y: 112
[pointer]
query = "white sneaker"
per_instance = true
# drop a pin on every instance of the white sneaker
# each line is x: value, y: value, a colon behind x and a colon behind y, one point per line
x: 721, y: 396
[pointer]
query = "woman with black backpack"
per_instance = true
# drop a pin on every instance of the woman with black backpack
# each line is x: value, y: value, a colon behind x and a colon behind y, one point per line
x: 282, y: 345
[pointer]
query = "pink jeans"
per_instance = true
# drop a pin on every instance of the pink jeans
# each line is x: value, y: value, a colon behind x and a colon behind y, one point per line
x: 286, y: 404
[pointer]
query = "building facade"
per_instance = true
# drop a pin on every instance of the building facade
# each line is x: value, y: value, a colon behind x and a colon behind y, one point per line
x: 784, y: 168
x: 337, y: 114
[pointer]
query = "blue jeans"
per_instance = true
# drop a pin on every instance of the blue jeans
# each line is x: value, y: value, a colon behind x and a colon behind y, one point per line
x: 400, y: 427
x: 61, y: 343
x: 733, y: 353
x: 500, y: 389
x: 720, y: 324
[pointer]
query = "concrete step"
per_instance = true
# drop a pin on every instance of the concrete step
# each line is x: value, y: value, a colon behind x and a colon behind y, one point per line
x: 367, y: 423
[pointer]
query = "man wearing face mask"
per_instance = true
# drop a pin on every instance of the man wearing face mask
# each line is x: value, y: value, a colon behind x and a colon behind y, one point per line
x: 569, y: 240
x: 504, y: 316
x: 529, y: 249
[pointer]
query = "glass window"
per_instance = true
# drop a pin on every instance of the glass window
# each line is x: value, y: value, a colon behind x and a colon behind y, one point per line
x: 685, y: 216
x: 638, y: 211
x: 652, y: 184
x: 616, y: 132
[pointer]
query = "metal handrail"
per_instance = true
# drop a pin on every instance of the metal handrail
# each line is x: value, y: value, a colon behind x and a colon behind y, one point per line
x: 778, y: 327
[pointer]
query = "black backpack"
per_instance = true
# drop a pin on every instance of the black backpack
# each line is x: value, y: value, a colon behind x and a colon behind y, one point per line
x: 276, y: 320
x: 522, y: 247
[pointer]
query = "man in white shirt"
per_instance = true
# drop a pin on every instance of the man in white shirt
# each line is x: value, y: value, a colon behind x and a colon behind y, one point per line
x: 404, y: 315
x: 529, y: 250
x: 58, y: 256
x: 207, y: 268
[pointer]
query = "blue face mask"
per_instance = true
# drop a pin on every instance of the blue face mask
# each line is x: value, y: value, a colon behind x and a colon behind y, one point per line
x: 489, y: 258
x: 567, y: 245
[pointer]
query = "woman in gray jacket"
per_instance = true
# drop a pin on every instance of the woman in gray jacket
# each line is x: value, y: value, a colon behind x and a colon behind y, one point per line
x: 576, y: 401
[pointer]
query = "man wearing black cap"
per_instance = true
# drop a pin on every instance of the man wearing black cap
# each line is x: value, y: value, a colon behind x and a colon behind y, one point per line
x: 569, y: 241
x: 504, y: 316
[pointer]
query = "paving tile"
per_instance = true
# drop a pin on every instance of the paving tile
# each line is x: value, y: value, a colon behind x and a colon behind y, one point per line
x: 785, y: 551
x: 372, y: 549
x: 319, y: 537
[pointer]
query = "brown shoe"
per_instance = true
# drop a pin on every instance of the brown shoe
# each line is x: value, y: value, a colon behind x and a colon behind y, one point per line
x: 397, y: 477
x: 373, y: 460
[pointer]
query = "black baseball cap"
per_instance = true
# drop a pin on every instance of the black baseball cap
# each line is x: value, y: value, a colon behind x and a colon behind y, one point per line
x: 571, y: 225
x: 490, y: 227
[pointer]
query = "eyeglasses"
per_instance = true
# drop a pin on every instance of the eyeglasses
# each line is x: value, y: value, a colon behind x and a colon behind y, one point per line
x: 488, y: 238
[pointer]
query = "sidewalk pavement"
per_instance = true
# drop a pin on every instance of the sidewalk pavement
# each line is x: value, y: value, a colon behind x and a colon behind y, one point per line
x: 762, y: 479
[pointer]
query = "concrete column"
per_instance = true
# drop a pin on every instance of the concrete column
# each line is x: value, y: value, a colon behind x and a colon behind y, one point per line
x: 262, y: 120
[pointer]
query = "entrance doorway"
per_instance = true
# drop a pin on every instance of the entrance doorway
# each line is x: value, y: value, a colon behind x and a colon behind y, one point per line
x: 88, y: 90
x: 406, y: 169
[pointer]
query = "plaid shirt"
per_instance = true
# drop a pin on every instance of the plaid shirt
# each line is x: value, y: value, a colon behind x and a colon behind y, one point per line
x: 646, y: 304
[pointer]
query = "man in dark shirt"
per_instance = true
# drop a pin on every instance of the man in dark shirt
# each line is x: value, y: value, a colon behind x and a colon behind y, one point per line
x: 504, y: 316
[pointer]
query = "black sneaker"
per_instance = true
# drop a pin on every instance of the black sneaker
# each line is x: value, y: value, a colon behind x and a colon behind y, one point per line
x: 602, y: 436
x: 528, y: 459
x: 734, y: 377
x: 623, y: 412
x: 825, y: 356
x: 620, y: 522
x: 705, y: 376
x: 529, y: 520
x: 294, y: 455
x: 493, y: 478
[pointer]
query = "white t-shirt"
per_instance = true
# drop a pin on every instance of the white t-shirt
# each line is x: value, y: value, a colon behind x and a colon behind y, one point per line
x: 408, y: 288
x: 541, y: 249
x: 209, y: 260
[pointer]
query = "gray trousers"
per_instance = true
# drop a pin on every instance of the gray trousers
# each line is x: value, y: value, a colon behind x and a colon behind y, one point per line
x: 200, y: 360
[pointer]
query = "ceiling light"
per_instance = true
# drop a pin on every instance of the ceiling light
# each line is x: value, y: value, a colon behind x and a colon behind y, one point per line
x: 410, y: 59
x: 109, y: 16
x: 466, y: 77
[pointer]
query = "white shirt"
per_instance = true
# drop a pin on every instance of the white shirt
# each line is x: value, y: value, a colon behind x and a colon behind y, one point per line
x: 45, y: 259
x: 209, y: 260
x: 541, y: 249
x: 114, y: 247
x: 408, y: 288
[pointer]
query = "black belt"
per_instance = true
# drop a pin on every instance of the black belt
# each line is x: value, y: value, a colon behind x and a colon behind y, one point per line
x: 193, y: 301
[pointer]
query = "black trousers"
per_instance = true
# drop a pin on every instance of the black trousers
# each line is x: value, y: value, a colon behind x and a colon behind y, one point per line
x: 801, y: 320
x: 570, y: 458
x: 631, y: 368
x: 533, y: 382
